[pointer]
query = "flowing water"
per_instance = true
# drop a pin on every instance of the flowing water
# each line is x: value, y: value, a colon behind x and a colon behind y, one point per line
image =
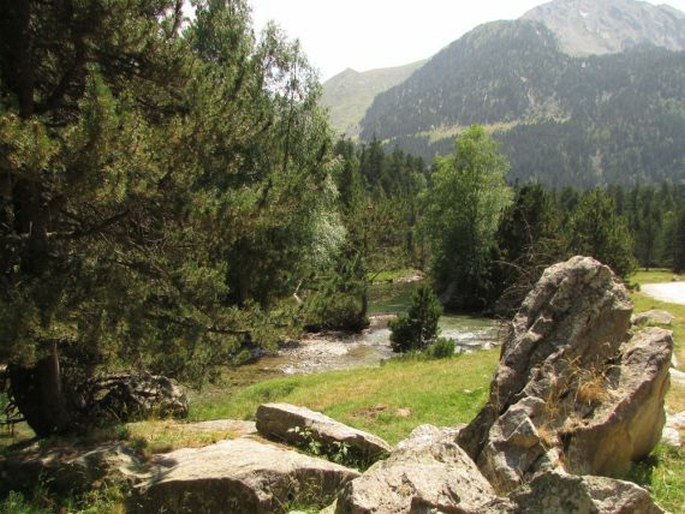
x: 340, y: 350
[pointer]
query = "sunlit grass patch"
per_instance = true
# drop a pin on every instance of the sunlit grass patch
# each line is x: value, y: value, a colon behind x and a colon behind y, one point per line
x: 389, y: 401
x: 663, y: 475
x: 167, y: 435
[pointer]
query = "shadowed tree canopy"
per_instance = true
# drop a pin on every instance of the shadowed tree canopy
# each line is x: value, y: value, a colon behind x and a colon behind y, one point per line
x: 162, y: 184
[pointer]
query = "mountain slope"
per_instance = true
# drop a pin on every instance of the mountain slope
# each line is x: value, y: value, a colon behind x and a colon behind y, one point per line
x: 593, y: 27
x: 562, y: 119
x: 498, y: 73
x: 348, y: 94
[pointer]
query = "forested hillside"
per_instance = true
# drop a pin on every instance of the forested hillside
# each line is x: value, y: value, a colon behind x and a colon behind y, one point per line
x: 565, y: 120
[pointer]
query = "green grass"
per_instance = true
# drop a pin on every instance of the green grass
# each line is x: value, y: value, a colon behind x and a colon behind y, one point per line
x: 663, y: 472
x: 663, y: 475
x: 643, y: 303
x: 652, y: 276
x: 389, y: 401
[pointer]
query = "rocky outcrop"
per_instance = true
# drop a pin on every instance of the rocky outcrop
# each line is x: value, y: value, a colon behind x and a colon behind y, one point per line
x: 571, y: 392
x: 301, y: 426
x: 427, y: 471
x: 574, y: 396
x: 241, y: 476
x: 127, y: 397
x: 629, y: 416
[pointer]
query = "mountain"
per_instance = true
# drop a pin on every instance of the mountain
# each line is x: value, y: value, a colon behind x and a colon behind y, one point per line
x: 593, y: 27
x: 348, y: 94
x: 562, y: 118
x: 499, y: 73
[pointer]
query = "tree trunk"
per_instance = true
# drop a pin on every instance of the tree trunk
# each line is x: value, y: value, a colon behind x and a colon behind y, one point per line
x: 39, y: 395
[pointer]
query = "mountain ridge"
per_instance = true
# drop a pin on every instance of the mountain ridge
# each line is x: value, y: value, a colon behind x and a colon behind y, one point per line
x: 596, y: 27
x: 604, y: 118
x: 348, y: 94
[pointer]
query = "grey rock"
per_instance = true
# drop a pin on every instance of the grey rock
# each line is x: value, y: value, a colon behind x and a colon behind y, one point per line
x: 130, y: 397
x: 427, y: 472
x: 241, y: 476
x: 625, y: 425
x: 69, y: 470
x: 571, y: 494
x: 570, y: 393
x: 653, y: 317
x: 300, y: 426
x: 675, y: 424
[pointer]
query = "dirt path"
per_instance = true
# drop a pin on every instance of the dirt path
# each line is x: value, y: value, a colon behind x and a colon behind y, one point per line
x: 673, y: 292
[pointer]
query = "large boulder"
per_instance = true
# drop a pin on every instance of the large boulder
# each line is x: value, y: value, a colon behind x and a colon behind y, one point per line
x: 629, y: 416
x: 302, y: 427
x: 428, y: 471
x: 571, y: 391
x: 241, y: 476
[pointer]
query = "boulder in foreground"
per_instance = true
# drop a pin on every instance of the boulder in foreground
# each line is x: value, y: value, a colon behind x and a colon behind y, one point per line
x: 241, y: 476
x: 426, y: 472
x: 572, y: 392
x: 300, y: 426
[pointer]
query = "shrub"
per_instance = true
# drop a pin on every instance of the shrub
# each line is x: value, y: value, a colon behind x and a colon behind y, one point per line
x: 417, y: 329
x: 340, y: 311
x: 442, y: 348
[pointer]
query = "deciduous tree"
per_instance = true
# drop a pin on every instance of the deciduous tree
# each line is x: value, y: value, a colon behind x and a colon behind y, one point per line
x: 463, y: 208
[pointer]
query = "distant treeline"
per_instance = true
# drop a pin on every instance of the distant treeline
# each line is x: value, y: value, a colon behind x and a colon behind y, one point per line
x: 623, y: 226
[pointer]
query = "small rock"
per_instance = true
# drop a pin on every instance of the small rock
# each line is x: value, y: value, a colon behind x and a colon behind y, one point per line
x: 285, y: 422
x: 653, y: 317
x: 671, y: 433
x: 671, y: 437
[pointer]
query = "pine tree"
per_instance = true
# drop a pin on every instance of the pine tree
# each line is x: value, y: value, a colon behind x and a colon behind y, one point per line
x: 159, y: 191
x: 416, y: 330
x: 597, y: 231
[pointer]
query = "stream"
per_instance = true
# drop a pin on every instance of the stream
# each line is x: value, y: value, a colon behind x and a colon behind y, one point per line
x: 328, y: 351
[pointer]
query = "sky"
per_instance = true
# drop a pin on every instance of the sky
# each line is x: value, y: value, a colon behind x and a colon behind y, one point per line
x: 369, y: 34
